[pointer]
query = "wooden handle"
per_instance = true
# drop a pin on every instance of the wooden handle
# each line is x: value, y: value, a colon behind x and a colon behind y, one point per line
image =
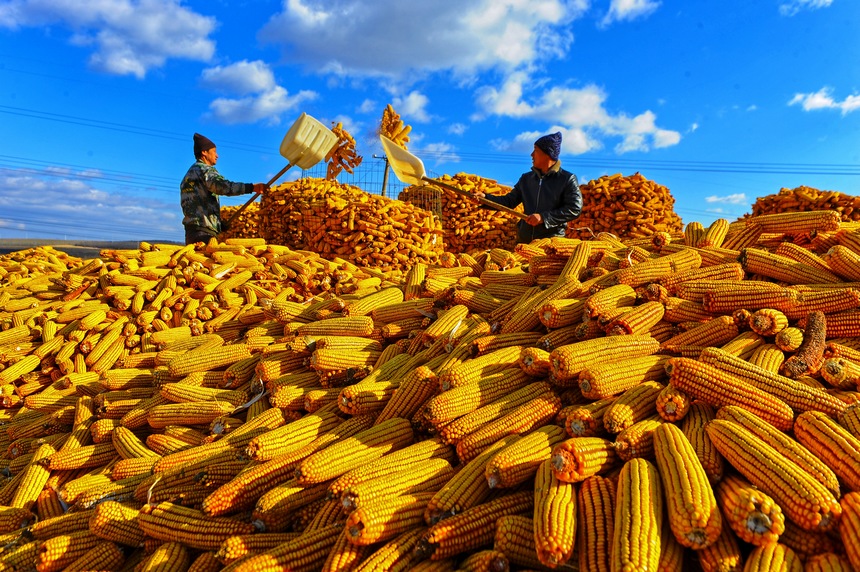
x: 482, y: 200
x: 255, y: 195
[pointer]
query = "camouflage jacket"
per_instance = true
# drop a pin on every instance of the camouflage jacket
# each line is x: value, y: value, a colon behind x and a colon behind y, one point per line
x: 199, y: 192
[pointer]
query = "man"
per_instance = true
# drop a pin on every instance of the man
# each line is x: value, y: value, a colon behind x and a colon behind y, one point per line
x: 549, y: 194
x: 199, y: 192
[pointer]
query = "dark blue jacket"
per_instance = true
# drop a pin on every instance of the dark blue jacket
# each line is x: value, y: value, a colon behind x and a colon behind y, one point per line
x: 556, y: 196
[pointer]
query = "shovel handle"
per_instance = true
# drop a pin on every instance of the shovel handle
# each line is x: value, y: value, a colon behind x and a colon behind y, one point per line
x: 255, y: 195
x: 482, y: 200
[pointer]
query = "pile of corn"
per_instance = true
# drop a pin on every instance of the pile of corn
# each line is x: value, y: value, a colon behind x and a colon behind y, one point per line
x: 805, y: 198
x: 245, y: 225
x: 467, y: 226
x: 340, y: 220
x: 678, y: 401
x: 628, y: 207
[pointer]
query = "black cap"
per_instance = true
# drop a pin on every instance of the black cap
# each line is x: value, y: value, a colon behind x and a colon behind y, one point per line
x: 201, y: 144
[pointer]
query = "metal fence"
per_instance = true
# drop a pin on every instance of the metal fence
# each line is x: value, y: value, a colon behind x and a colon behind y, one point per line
x: 370, y: 176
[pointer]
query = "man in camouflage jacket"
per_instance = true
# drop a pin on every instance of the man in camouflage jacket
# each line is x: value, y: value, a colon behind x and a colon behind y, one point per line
x: 199, y: 192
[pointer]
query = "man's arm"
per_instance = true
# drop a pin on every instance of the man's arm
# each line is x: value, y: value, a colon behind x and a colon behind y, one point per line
x: 570, y: 207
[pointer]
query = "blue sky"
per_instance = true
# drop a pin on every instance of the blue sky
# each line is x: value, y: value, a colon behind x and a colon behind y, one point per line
x: 721, y: 102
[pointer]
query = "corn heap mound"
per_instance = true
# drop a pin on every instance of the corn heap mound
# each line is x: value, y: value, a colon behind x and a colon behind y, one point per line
x: 336, y: 219
x: 467, y: 226
x: 629, y: 207
x: 809, y: 199
x: 246, y: 225
x: 680, y: 401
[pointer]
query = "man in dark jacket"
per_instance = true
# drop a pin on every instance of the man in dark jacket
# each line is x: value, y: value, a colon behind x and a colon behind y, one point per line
x: 199, y: 192
x: 549, y: 194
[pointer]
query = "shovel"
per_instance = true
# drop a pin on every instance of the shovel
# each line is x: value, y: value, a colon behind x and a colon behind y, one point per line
x: 306, y: 143
x: 409, y: 169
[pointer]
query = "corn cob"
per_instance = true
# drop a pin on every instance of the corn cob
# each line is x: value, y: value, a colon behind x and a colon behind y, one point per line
x: 518, y: 462
x: 693, y: 425
x: 606, y: 379
x: 384, y: 520
x: 349, y: 453
x: 105, y: 555
x: 723, y: 555
x: 279, y: 503
x: 555, y: 512
x: 638, y: 515
x: 797, y: 395
x: 533, y: 414
x: 719, y: 388
x: 782, y: 268
x: 237, y: 547
x: 850, y: 419
x: 832, y: 443
x: 613, y: 297
x: 292, y: 436
x: 194, y: 413
x: 637, y: 440
x: 653, y: 269
x: 635, y: 404
x: 569, y: 360
x: 344, y: 555
x: 459, y: 401
x: 810, y: 355
x: 595, y: 523
x: 471, y: 528
x: 587, y: 420
x: 467, y: 488
x: 578, y: 458
x: 827, y: 562
x: 424, y: 475
x: 514, y: 537
x: 712, y: 333
x: 773, y: 556
x: 484, y: 561
x: 470, y: 371
x: 751, y: 514
x: 841, y: 373
x: 60, y: 551
x: 391, y: 464
x: 306, y: 553
x: 692, y: 508
x: 797, y: 222
x: 244, y: 490
x: 767, y: 469
x: 849, y: 527
x: 116, y: 522
x: 33, y: 479
x: 396, y: 554
x: 534, y: 361
x: 411, y: 395
x: 561, y: 312
x: 169, y: 522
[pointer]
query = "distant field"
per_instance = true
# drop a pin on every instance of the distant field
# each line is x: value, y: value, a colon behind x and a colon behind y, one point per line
x: 78, y: 248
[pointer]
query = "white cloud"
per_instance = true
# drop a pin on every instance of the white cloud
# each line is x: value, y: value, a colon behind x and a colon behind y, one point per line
x: 242, y: 77
x: 457, y: 128
x: 129, y: 37
x: 413, y: 106
x: 792, y: 7
x: 823, y: 99
x: 260, y: 98
x: 580, y: 114
x: 442, y: 152
x: 733, y: 199
x: 627, y: 10
x: 367, y: 106
x: 46, y: 203
x: 392, y: 38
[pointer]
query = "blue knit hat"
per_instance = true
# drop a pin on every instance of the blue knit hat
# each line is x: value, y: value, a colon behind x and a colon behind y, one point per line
x: 550, y: 144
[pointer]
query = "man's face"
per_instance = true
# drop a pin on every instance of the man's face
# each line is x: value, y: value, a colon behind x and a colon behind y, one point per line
x: 540, y: 160
x: 209, y: 156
